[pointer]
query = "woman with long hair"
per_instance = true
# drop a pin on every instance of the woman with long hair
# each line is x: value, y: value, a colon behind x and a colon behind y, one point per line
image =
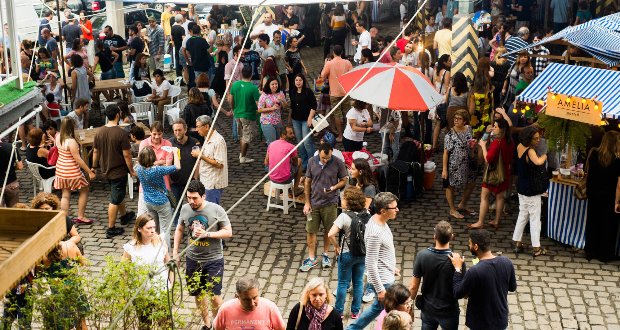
x: 80, y: 76
x: 196, y: 107
x: 530, y: 202
x: 339, y: 27
x: 204, y: 85
x: 270, y: 105
x: 162, y: 157
x: 500, y: 66
x: 37, y: 153
x: 422, y: 125
x: 480, y: 100
x: 456, y: 169
x: 362, y: 178
x: 350, y: 267
x: 499, y: 39
x: 303, y: 109
x: 147, y: 249
x: 292, y: 60
x: 154, y: 188
x: 514, y: 76
x: 442, y: 84
x: 68, y: 174
x: 270, y: 70
x: 359, y: 122
x: 79, y: 49
x: 44, y: 63
x: 603, y: 183
x: 314, y: 310
x: 501, y: 147
x: 456, y: 98
x: 140, y: 67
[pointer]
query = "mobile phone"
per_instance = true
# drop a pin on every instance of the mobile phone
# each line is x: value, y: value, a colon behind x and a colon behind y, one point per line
x: 485, y: 136
x: 446, y: 183
x: 326, y: 190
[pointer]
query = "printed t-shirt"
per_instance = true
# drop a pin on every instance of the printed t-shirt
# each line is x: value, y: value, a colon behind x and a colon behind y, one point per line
x: 204, y: 249
x: 266, y: 316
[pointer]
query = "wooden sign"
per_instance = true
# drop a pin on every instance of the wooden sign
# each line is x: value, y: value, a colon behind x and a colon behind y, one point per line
x: 574, y: 108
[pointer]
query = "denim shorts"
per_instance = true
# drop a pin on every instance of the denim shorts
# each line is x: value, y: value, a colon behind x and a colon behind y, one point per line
x: 210, y: 274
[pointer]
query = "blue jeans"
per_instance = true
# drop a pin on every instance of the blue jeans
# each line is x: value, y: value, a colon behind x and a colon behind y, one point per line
x: 118, y: 67
x: 395, y: 146
x: 235, y: 132
x: 369, y: 314
x: 214, y: 195
x: 271, y: 132
x: 162, y: 215
x: 430, y: 321
x: 350, y: 269
x: 110, y: 74
x: 306, y: 150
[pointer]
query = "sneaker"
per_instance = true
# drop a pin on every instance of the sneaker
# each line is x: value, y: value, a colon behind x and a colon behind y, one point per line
x: 326, y: 262
x: 244, y: 160
x: 128, y: 217
x: 368, y: 297
x: 348, y: 291
x: 308, y: 264
x: 354, y: 316
x: 114, y: 231
x: 82, y: 220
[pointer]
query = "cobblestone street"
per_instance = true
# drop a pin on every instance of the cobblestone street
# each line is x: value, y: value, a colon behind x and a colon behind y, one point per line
x: 560, y: 290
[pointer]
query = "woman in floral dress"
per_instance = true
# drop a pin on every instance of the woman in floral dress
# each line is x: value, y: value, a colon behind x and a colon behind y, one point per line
x: 270, y: 106
x: 458, y: 171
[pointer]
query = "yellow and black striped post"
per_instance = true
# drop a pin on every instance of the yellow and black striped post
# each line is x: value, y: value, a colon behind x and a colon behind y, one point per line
x: 464, y: 47
x: 420, y: 20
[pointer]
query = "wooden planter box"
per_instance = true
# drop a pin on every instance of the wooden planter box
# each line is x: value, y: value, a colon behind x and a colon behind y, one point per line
x: 26, y: 236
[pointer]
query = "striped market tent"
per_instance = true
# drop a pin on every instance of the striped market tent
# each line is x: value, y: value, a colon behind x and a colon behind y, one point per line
x: 599, y: 37
x: 600, y: 84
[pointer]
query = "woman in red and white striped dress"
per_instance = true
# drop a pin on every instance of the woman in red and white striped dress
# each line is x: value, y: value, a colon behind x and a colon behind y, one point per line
x: 68, y: 174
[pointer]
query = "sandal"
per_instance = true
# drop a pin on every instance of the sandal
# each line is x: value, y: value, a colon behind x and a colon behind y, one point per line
x: 456, y: 215
x: 467, y: 211
x: 82, y: 221
x: 538, y: 251
x: 518, y: 248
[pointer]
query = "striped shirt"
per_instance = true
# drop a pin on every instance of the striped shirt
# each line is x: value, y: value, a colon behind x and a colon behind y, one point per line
x: 380, y: 254
x: 211, y: 176
x: 514, y: 43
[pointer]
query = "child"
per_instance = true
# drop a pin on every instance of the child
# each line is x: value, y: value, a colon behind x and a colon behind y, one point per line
x: 53, y: 108
x: 136, y: 135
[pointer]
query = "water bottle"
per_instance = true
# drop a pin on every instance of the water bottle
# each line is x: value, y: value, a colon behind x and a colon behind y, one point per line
x: 364, y: 145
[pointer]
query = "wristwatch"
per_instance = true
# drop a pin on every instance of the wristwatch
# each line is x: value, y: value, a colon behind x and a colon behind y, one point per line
x: 458, y: 270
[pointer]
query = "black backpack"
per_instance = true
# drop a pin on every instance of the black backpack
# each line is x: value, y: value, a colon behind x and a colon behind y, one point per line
x: 356, y: 244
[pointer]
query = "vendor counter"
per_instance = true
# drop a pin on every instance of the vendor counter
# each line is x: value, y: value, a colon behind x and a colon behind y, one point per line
x: 566, y: 215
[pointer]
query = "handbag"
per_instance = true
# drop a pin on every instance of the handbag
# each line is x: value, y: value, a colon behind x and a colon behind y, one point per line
x: 52, y: 156
x: 494, y: 173
x: 168, y: 193
x: 539, y: 178
x: 581, y: 189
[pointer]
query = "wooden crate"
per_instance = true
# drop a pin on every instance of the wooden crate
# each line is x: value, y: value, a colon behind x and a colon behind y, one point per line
x: 26, y: 236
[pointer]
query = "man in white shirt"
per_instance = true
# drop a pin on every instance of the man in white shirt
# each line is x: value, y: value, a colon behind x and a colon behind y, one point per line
x: 79, y: 113
x: 213, y: 160
x: 364, y: 40
x: 266, y: 27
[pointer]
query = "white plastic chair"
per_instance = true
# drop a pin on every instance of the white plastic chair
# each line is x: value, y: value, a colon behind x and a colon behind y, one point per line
x: 274, y: 188
x: 37, y: 181
x: 131, y: 180
x: 136, y: 99
x: 173, y: 111
x: 142, y: 111
x: 177, y: 81
x: 173, y: 93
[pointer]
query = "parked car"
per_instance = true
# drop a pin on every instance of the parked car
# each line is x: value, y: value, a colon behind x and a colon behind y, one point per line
x: 132, y: 16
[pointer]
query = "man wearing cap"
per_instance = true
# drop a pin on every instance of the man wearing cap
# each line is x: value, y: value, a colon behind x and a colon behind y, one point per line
x: 166, y: 17
x: 155, y: 35
x: 70, y: 32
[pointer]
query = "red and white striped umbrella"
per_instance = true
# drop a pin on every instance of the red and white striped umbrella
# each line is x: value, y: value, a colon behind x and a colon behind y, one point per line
x: 392, y: 86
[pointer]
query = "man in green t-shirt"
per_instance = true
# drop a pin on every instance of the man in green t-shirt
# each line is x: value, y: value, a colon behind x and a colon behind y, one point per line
x: 243, y: 100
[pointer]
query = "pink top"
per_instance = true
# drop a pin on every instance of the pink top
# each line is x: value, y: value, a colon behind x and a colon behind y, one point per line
x: 266, y: 316
x: 379, y: 323
x: 160, y: 154
x: 276, y: 151
x: 268, y: 101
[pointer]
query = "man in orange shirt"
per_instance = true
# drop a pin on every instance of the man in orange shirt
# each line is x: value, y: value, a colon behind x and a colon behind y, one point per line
x: 332, y: 70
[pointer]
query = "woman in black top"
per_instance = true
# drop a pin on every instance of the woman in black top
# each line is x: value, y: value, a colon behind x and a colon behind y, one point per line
x: 315, y: 311
x: 603, y: 168
x: 303, y: 108
x: 36, y: 153
x: 196, y: 107
x: 105, y: 58
x: 292, y: 60
x: 219, y: 85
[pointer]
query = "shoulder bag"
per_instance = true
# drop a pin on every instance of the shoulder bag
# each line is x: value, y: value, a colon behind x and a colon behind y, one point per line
x: 538, y: 176
x: 581, y: 189
x: 168, y: 193
x: 301, y: 310
x: 52, y: 156
x: 494, y: 174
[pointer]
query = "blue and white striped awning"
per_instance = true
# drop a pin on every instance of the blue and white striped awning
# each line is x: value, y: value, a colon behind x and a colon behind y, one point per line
x: 600, y: 84
x: 599, y: 37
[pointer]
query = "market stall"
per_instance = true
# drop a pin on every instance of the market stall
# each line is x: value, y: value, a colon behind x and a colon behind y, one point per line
x: 578, y: 97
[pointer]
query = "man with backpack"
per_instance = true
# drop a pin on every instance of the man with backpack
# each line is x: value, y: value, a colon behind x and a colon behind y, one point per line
x: 380, y: 256
x: 347, y: 235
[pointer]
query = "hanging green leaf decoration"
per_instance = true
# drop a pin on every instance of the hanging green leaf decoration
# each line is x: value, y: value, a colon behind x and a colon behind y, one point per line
x: 561, y: 132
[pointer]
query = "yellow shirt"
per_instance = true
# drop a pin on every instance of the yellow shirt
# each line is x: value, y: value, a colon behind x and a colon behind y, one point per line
x: 443, y: 38
x: 165, y: 22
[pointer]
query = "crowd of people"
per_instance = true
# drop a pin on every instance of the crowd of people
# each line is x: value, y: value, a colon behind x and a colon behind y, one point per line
x: 273, y: 107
